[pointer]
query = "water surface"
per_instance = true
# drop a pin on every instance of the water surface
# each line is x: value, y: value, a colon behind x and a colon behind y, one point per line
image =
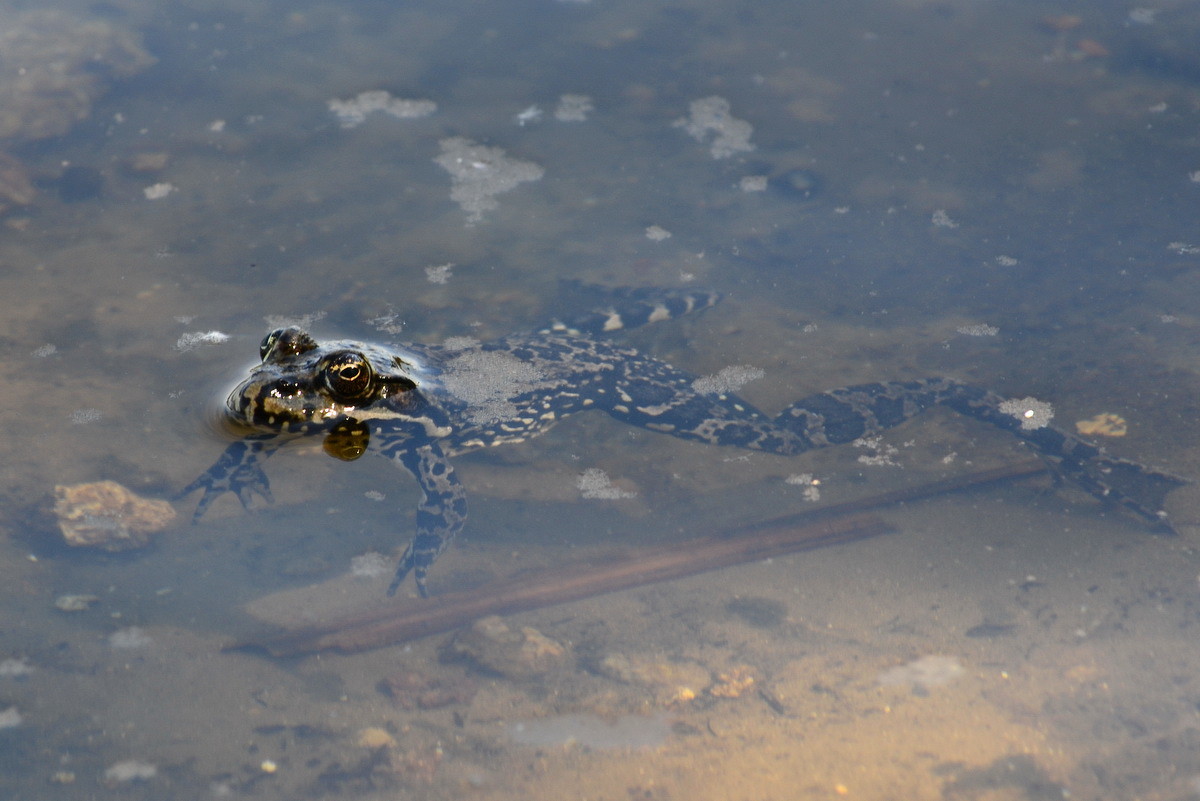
x: 1004, y: 193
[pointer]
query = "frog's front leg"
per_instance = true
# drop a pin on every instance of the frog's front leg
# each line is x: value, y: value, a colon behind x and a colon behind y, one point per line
x: 238, y: 470
x: 440, y: 514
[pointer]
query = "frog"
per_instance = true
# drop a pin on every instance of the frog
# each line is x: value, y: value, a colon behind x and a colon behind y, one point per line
x: 421, y: 405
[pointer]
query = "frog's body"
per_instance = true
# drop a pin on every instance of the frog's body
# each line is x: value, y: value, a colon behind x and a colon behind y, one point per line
x: 419, y: 405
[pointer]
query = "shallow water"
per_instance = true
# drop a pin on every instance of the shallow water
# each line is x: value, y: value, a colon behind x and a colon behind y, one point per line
x: 882, y: 190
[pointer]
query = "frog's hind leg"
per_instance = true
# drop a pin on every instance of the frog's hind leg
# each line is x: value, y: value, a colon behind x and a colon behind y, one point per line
x: 654, y: 395
x: 845, y: 415
x: 658, y: 397
x: 1139, y: 489
x: 865, y: 410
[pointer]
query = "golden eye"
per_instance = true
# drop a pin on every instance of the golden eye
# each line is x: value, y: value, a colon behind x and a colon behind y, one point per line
x: 347, y: 375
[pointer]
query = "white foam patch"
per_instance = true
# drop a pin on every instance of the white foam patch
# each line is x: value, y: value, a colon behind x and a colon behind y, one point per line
x: 727, y: 379
x: 355, y: 110
x: 486, y: 380
x: 479, y: 173
x: 710, y: 115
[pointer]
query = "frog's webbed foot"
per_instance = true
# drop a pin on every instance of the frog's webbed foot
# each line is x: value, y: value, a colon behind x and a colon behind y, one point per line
x: 420, y: 554
x: 408, y: 564
x: 245, y: 484
x: 1139, y: 489
x: 238, y: 471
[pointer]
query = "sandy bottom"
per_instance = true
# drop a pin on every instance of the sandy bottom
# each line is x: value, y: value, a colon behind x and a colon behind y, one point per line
x: 1016, y: 656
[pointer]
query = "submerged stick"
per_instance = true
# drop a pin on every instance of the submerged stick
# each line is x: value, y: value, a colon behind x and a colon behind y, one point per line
x: 419, y: 618
x: 395, y: 623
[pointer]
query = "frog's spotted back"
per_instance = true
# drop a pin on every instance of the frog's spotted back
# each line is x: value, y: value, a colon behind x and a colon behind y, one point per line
x: 420, y: 405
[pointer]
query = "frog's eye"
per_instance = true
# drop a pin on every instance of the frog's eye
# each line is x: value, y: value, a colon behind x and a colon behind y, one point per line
x: 284, y: 342
x: 268, y: 343
x: 347, y: 375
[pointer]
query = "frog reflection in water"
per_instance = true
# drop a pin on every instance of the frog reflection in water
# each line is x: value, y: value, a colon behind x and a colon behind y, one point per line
x: 420, y: 405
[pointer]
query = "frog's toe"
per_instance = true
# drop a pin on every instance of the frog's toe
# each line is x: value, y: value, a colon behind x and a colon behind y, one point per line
x: 402, y: 570
x: 246, y: 493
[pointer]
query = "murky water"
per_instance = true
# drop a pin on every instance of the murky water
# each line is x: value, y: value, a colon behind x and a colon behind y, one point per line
x: 1004, y: 193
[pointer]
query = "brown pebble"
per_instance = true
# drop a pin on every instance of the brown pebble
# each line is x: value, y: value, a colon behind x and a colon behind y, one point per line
x: 106, y: 515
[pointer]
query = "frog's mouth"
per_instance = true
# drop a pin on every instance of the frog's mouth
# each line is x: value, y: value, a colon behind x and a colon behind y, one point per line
x: 248, y: 412
x: 281, y: 406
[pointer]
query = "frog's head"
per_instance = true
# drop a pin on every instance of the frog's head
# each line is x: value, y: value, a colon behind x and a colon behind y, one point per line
x: 302, y: 387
